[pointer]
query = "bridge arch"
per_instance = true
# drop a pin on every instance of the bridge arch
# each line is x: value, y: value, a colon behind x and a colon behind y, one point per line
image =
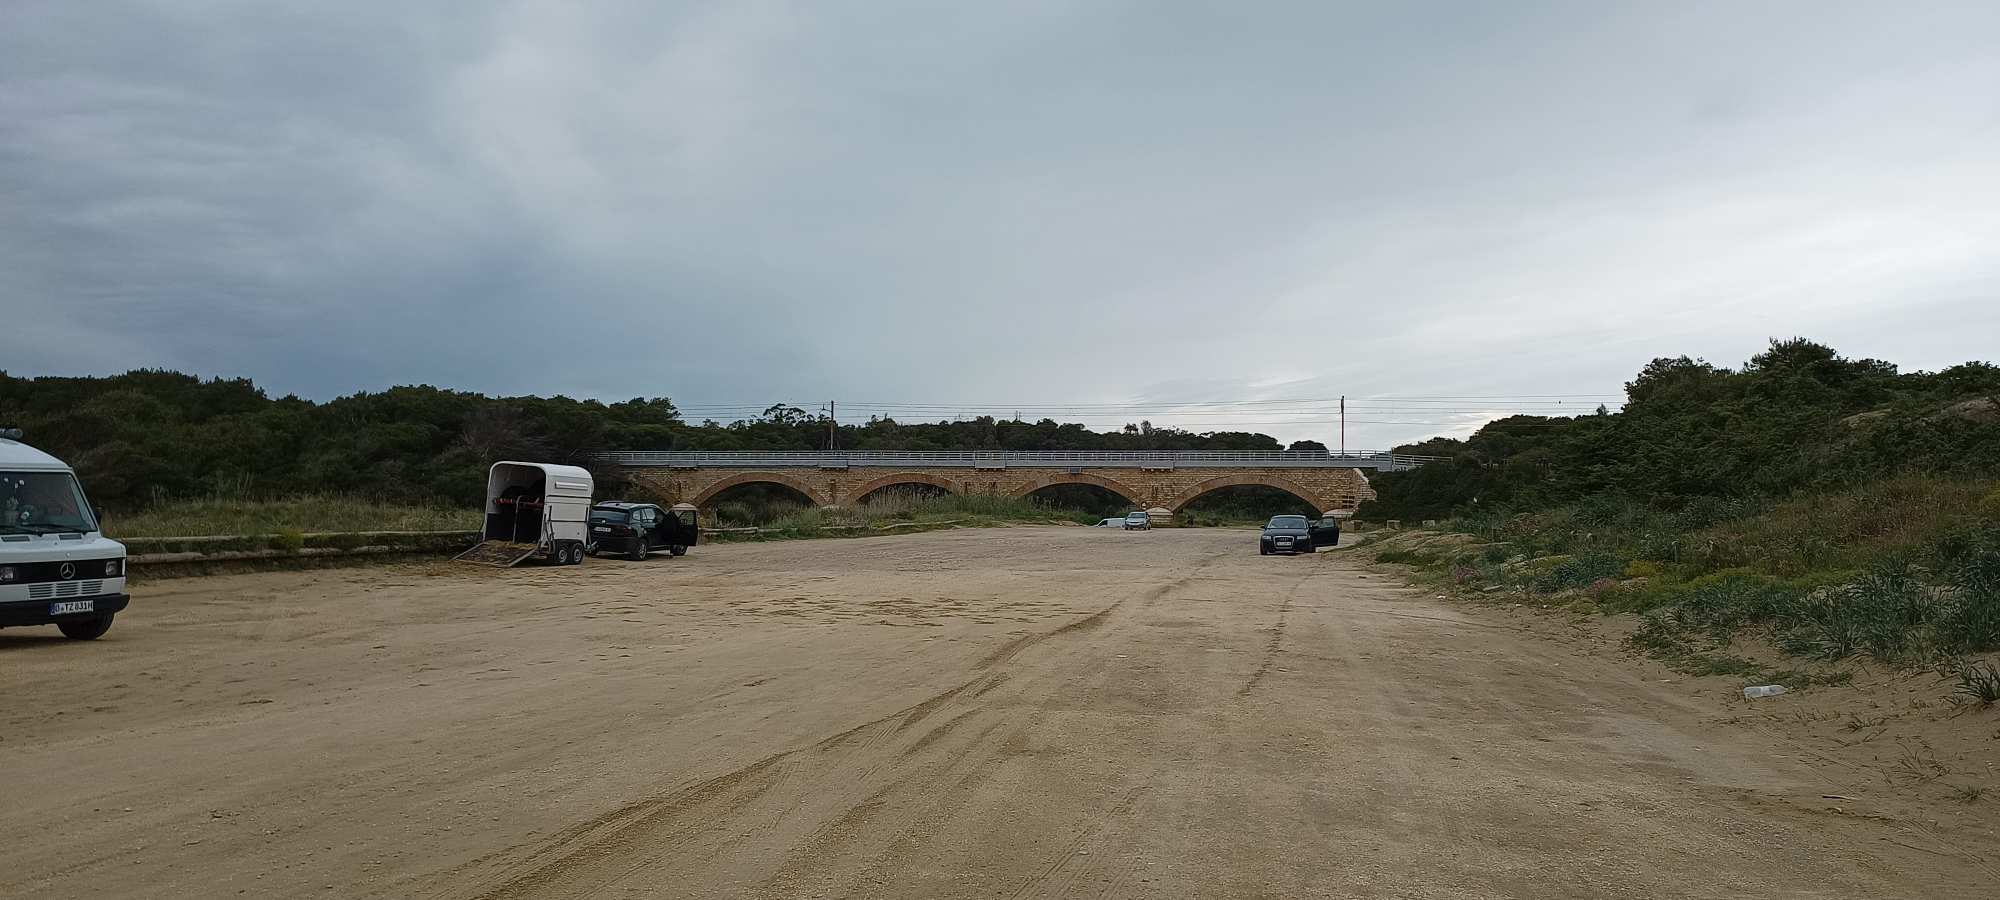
x: 1271, y: 481
x: 1131, y: 496
x: 940, y: 482
x: 709, y: 493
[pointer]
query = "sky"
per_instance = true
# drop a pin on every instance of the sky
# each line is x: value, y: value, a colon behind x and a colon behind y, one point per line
x: 1092, y: 211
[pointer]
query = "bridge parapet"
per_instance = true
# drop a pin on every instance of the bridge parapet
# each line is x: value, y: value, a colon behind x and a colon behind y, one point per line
x: 1149, y: 479
x: 1001, y: 459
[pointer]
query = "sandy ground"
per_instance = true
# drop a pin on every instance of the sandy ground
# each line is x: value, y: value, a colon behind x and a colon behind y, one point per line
x: 1030, y: 712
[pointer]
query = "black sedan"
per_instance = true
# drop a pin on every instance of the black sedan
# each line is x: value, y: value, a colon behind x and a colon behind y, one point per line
x: 1297, y: 534
x: 636, y: 529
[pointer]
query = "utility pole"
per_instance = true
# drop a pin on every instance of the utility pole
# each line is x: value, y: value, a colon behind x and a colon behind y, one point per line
x: 1343, y: 424
x: 831, y: 435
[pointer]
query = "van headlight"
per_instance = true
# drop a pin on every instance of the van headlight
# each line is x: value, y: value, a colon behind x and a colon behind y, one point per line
x: 114, y: 568
x: 8, y: 574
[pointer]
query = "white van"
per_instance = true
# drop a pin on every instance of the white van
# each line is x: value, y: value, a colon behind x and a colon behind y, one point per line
x: 56, y: 566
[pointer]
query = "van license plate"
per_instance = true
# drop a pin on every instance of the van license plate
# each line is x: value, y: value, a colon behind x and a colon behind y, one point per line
x: 72, y: 606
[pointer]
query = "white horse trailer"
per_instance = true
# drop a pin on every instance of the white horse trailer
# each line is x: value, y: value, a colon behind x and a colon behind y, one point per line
x: 534, y: 510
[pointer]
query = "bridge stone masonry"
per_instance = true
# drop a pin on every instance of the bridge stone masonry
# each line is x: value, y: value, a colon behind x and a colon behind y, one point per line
x: 1168, y: 480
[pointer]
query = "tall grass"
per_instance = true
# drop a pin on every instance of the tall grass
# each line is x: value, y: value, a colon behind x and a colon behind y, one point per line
x: 915, y: 509
x: 1904, y: 569
x: 887, y: 507
x: 219, y: 514
x: 1838, y: 530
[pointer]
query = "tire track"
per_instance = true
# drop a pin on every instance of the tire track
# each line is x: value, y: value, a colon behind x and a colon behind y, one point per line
x: 1275, y: 644
x: 1013, y: 648
x: 630, y: 838
x: 652, y: 821
x: 1060, y: 876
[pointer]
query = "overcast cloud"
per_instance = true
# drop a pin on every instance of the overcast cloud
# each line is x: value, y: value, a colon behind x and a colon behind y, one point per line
x: 1001, y: 203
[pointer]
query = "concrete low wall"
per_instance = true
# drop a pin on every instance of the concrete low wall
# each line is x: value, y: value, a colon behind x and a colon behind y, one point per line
x: 162, y: 553
x: 167, y: 556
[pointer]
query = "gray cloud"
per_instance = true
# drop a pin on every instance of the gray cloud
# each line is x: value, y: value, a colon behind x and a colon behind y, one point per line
x: 999, y: 204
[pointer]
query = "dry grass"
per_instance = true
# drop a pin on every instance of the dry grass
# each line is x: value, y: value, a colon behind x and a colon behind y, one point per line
x: 319, y: 512
x: 1843, y: 529
x: 905, y: 508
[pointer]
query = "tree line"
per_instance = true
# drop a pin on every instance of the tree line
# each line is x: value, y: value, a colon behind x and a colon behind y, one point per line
x: 151, y: 434
x: 1796, y: 416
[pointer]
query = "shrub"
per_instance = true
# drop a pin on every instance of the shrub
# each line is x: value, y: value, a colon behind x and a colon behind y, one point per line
x: 1703, y: 511
x: 1980, y: 681
x: 1967, y: 562
x: 1885, y: 613
x: 1578, y: 571
x: 290, y: 540
x: 1657, y: 636
x: 1643, y: 568
x: 1406, y: 557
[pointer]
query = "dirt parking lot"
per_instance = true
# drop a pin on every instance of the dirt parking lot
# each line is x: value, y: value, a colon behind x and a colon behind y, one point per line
x: 1026, y: 712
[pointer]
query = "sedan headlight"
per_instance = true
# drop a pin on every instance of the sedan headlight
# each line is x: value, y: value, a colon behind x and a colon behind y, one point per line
x: 114, y: 568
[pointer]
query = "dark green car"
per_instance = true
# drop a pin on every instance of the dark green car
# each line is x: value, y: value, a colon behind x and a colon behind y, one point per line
x: 636, y: 529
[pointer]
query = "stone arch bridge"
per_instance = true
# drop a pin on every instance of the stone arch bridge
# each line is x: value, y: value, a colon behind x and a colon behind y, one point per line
x: 1166, y: 480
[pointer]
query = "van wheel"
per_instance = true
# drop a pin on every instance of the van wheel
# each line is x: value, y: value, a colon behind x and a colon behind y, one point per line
x: 638, y: 547
x: 678, y: 550
x: 85, y: 629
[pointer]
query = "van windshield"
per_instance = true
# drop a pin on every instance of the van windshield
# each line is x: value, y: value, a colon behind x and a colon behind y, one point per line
x: 42, y: 503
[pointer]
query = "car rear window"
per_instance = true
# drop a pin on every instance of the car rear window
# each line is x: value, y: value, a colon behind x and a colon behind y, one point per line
x: 608, y: 515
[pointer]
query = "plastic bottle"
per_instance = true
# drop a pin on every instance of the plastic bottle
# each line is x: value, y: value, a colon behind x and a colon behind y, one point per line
x: 1763, y: 690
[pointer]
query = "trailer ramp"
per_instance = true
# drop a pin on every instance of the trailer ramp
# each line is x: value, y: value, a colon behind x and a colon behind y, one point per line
x: 498, y: 554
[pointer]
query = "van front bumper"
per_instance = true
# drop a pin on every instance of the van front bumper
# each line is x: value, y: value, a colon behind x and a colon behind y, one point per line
x: 37, y: 612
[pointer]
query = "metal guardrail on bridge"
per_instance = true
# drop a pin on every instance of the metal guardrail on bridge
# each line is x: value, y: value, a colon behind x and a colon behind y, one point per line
x: 997, y: 459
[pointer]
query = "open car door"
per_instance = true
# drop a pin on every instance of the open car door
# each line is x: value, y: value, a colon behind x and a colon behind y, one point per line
x: 1325, y: 532
x: 680, y: 529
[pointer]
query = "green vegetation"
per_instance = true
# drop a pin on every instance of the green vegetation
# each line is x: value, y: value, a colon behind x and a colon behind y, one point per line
x: 906, y: 510
x: 1706, y: 440
x: 1905, y: 570
x: 148, y: 434
x: 218, y: 514
x: 1980, y: 682
x: 1248, y: 504
x: 1829, y: 508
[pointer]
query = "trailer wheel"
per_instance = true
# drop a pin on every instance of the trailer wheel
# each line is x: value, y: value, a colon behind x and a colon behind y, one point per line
x: 85, y: 629
x: 575, y: 557
x: 677, y: 550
